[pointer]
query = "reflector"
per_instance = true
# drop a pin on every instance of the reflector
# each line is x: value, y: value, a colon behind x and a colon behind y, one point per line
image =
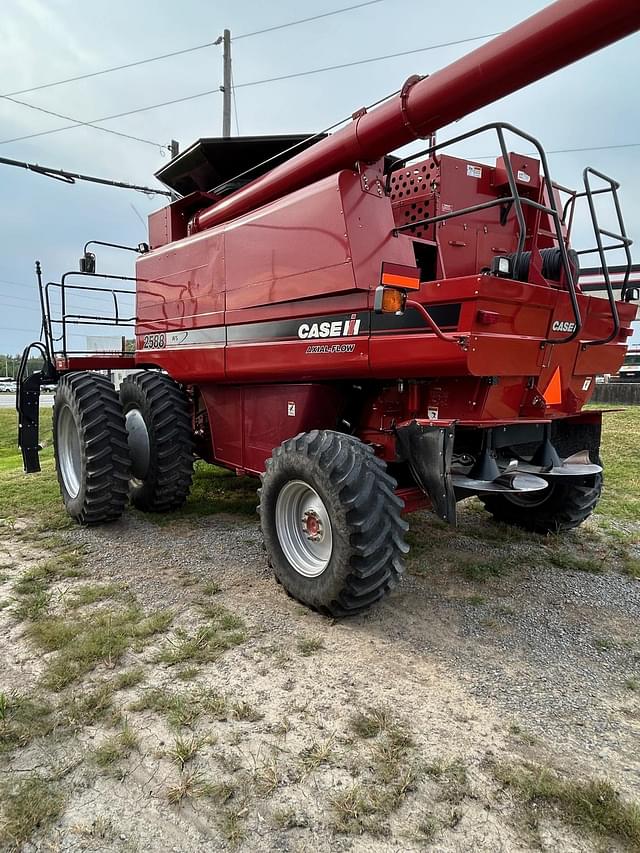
x: 553, y: 391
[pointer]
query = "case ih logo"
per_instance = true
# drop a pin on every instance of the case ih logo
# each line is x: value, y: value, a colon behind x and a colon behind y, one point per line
x: 334, y: 329
x: 563, y: 326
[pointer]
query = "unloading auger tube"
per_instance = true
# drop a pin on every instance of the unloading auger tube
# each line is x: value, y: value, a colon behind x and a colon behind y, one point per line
x: 553, y: 38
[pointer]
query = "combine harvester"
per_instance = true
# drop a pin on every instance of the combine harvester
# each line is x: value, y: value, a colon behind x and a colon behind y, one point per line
x: 369, y: 335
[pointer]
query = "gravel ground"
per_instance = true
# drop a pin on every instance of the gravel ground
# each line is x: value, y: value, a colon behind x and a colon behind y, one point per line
x: 529, y: 663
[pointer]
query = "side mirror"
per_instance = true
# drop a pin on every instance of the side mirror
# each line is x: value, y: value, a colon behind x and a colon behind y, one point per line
x: 88, y: 262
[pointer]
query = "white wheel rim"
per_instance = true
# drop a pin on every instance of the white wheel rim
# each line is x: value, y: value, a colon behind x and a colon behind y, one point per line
x: 69, y: 453
x: 139, y: 446
x: 303, y: 528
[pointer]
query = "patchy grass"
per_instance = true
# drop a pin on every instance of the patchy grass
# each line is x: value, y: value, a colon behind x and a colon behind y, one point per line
x: 631, y: 566
x: 185, y: 749
x: 182, y: 709
x: 633, y: 684
x: 390, y: 774
x: 211, y: 588
x: 191, y: 785
x: 574, y: 562
x: 247, y: 712
x: 92, y: 593
x: 129, y: 678
x: 308, y: 646
x: 23, y: 719
x: 592, y: 805
x: 28, y: 804
x: 89, y: 706
x: 224, y: 631
x: 231, y: 824
x: 475, y: 570
x: 367, y: 724
x: 83, y: 643
x: 316, y: 754
x: 116, y: 747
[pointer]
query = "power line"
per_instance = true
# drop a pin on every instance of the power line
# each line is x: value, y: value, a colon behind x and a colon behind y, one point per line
x: 185, y: 50
x: 250, y: 83
x: 305, y: 20
x: 109, y: 118
x: 567, y: 150
x: 79, y: 123
x: 361, y: 61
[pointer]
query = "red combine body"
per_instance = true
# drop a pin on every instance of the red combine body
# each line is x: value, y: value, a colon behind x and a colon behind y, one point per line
x: 370, y: 335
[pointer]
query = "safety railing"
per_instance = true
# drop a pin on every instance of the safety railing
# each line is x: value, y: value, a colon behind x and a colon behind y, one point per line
x: 620, y: 238
x: 506, y: 201
x: 56, y: 327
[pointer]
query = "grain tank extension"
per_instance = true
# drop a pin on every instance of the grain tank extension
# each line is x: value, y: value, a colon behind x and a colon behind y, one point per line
x: 369, y: 335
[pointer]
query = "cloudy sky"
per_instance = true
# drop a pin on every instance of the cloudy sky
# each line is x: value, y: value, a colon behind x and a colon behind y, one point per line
x: 593, y: 103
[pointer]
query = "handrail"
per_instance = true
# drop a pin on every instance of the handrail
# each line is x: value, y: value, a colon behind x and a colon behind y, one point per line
x: 625, y: 242
x: 514, y: 198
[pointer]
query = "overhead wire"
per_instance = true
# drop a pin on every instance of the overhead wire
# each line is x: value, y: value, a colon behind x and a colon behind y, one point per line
x: 185, y: 50
x: 79, y: 122
x: 289, y: 76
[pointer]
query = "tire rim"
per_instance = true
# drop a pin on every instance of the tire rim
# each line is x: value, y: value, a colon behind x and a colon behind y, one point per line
x: 304, y: 528
x: 69, y: 453
x: 139, y: 445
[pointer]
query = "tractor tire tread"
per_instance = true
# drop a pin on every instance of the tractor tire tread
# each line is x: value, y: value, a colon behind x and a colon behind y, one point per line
x: 103, y: 446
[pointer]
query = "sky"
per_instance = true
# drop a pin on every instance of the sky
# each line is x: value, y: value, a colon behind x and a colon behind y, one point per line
x: 592, y: 103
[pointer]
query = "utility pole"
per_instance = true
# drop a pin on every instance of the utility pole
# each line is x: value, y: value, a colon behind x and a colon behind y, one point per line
x: 226, y: 83
x: 174, y: 148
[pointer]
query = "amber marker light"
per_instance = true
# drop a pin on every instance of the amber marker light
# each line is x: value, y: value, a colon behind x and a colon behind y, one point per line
x: 389, y: 300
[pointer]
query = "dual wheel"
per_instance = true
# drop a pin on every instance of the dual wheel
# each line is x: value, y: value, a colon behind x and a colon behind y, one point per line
x: 110, y: 447
x: 330, y: 518
x: 331, y: 521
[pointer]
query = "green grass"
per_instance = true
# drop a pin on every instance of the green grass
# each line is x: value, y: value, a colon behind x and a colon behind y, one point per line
x: 369, y: 723
x: 592, y: 805
x: 574, y: 562
x: 224, y: 631
x: 620, y: 453
x: 23, y: 719
x: 33, y: 496
x: 115, y: 748
x: 308, y: 646
x: 214, y: 490
x: 182, y: 709
x: 83, y: 643
x: 27, y: 805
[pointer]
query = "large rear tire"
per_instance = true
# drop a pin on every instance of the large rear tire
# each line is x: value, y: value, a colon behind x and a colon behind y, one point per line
x: 90, y: 442
x: 563, y: 506
x: 158, y: 420
x: 331, y: 522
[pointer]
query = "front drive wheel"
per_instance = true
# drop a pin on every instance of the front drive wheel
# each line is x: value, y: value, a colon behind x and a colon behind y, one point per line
x: 90, y: 442
x: 331, y: 522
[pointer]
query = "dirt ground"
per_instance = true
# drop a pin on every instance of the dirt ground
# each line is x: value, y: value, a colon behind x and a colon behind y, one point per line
x: 479, y: 707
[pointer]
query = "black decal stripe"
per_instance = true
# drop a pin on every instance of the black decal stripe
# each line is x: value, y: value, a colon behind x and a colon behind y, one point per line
x: 446, y: 316
x: 283, y: 330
